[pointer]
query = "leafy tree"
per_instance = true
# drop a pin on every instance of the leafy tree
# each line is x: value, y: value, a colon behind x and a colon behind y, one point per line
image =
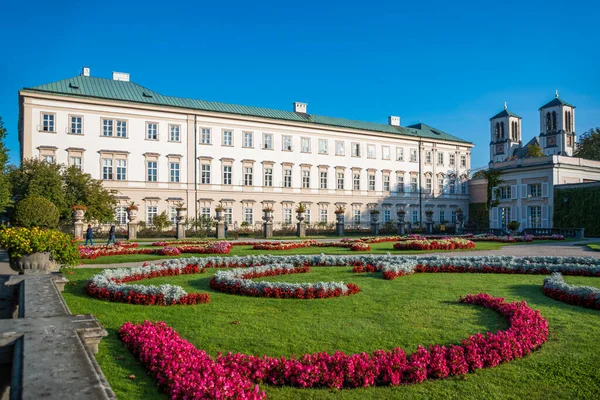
x: 161, y: 221
x: 81, y: 188
x: 36, y: 211
x: 535, y: 151
x: 38, y: 178
x: 589, y: 145
x: 4, y: 182
x: 493, y: 180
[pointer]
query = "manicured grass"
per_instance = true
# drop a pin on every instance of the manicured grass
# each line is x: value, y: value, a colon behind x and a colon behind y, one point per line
x: 594, y: 246
x: 376, y: 248
x: 405, y: 312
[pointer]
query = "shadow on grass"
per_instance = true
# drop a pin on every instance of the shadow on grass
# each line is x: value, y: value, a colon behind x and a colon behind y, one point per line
x: 533, y: 294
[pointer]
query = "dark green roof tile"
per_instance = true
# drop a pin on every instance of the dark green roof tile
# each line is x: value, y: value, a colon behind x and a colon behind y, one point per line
x: 505, y: 113
x: 556, y: 102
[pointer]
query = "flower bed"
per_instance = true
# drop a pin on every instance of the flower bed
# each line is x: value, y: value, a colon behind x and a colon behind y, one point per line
x: 93, y: 252
x: 239, y: 282
x: 20, y: 242
x: 176, y: 242
x: 585, y: 296
x: 435, y: 244
x: 360, y: 247
x: 283, y: 245
x: 183, y: 371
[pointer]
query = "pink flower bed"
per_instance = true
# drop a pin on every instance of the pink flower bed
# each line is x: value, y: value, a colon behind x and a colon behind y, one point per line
x: 435, y: 244
x: 185, y: 372
x: 93, y: 252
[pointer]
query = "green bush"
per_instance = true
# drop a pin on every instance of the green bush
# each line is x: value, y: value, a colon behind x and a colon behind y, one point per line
x: 23, y: 241
x: 36, y: 211
x: 577, y: 208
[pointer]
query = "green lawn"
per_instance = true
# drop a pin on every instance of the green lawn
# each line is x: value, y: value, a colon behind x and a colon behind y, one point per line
x: 405, y: 312
x: 376, y: 248
x: 594, y: 246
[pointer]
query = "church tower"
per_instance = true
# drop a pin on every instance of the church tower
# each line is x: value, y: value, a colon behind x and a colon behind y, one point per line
x: 505, y: 133
x: 557, y: 127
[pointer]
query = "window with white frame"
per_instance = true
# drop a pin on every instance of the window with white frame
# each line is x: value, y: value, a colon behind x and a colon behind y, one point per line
x: 415, y: 216
x: 287, y: 178
x: 463, y: 187
x: 121, y: 128
x: 121, y: 215
x: 107, y: 168
x: 76, y: 162
x: 505, y: 216
x: 356, y: 217
x: 355, y: 149
x: 227, y: 138
x: 151, y: 131
x: 323, y: 179
x: 228, y: 214
x: 305, y: 145
x: 174, y: 171
x: 205, y: 174
x: 453, y: 217
x: 287, y: 215
x: 305, y: 179
x: 174, y: 133
x: 339, y: 148
x: 414, y: 185
x: 452, y: 185
x: 268, y: 141
x: 385, y: 152
x: 442, y: 217
x: 173, y: 215
x: 428, y: 157
x: 463, y: 161
x: 107, y: 127
x: 400, y: 183
x: 440, y: 157
x: 371, y: 151
x: 307, y: 216
x: 428, y: 185
x: 268, y: 177
x: 387, y: 215
x: 249, y: 215
x: 399, y: 153
x: 227, y: 174
x: 413, y: 155
x: 356, y: 181
x: 248, y: 139
x: 440, y: 184
x: 121, y: 170
x: 48, y: 158
x: 48, y: 122
x: 205, y: 136
x: 323, y: 146
x: 534, y: 217
x: 386, y: 183
x: 371, y: 181
x: 286, y: 143
x: 76, y: 125
x: 534, y: 190
x: 151, y: 212
x: 205, y: 212
x: 452, y: 159
x: 340, y: 180
x: 505, y: 193
x: 152, y: 169
x: 323, y: 215
x: 248, y: 176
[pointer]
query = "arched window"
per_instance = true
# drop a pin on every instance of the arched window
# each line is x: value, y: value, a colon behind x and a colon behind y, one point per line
x: 548, y: 122
x: 554, y: 120
x: 502, y: 130
x: 497, y: 131
x: 568, y: 122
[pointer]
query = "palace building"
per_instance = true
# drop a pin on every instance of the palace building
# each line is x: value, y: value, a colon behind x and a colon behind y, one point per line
x: 158, y: 150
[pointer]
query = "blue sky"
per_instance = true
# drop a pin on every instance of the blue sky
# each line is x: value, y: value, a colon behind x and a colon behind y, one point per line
x: 448, y: 64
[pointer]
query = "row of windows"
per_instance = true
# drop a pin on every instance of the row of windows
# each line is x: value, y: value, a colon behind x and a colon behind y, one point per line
x: 507, y: 214
x: 531, y: 190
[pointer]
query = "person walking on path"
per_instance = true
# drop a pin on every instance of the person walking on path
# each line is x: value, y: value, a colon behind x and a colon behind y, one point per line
x: 226, y: 229
x: 88, y: 235
x: 111, y: 235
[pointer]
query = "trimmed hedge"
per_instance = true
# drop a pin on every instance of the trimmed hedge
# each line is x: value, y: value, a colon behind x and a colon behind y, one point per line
x: 36, y: 211
x: 579, y: 209
x: 479, y: 215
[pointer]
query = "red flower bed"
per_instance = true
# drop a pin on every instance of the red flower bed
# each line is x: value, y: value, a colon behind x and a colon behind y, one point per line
x: 93, y: 252
x: 144, y: 299
x: 590, y: 301
x: 183, y: 371
x: 283, y: 245
x: 187, y: 270
x: 360, y: 247
x: 442, y: 244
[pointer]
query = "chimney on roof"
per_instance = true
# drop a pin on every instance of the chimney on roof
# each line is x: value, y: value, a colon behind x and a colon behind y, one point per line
x: 300, y: 107
x: 85, y: 71
x: 393, y: 120
x: 121, y: 76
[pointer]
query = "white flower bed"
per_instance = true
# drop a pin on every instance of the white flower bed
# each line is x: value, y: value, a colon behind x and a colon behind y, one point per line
x: 587, y: 296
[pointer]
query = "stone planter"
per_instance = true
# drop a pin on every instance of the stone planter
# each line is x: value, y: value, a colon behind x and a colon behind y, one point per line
x: 181, y: 214
x: 300, y: 216
x: 78, y: 215
x: 132, y: 214
x: 218, y: 216
x: 267, y: 217
x: 36, y: 263
x: 375, y: 218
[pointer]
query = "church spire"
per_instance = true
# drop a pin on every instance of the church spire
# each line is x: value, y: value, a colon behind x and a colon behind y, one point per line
x: 557, y: 93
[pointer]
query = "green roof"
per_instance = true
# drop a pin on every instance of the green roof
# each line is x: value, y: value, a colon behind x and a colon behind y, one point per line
x: 102, y: 88
x: 505, y: 113
x: 556, y: 102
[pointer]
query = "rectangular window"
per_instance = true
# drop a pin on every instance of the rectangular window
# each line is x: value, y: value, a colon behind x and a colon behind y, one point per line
x: 305, y: 179
x: 152, y: 171
x: 323, y: 215
x: 340, y: 180
x: 247, y: 176
x: 440, y: 185
x: 287, y: 178
x: 305, y: 145
x: 534, y: 217
x: 151, y: 131
x: 442, y: 217
x: 107, y: 127
x: 48, y: 158
x: 355, y: 181
x: 400, y: 184
x: 227, y: 138
x: 440, y: 158
x: 339, y: 148
x: 174, y: 172
x: 121, y: 170
x: 505, y: 216
x: 414, y: 186
x: 173, y: 215
x: 355, y: 149
x: 228, y: 216
x: 415, y: 216
x: 399, y: 153
x: 322, y: 146
x: 205, y: 174
x: 76, y: 162
x: 268, y: 177
x: 121, y: 215
x: 174, y: 133
x: 286, y: 143
x: 268, y: 141
x: 307, y: 216
x: 505, y: 193
x: 413, y: 155
x: 107, y: 168
x: 323, y: 179
x: 76, y: 127
x: 452, y: 159
x: 385, y: 152
x: 371, y: 151
x: 428, y: 185
x: 428, y: 157
x: 287, y: 215
x: 227, y: 174
x: 151, y: 212
x: 386, y: 183
x: 452, y: 185
x: 248, y: 139
x: 356, y: 217
x: 48, y: 122
x: 463, y: 161
x: 205, y: 212
x: 249, y: 215
x: 534, y: 190
x: 463, y: 187
x: 121, y: 128
x: 205, y: 136
x: 387, y: 215
x: 371, y: 181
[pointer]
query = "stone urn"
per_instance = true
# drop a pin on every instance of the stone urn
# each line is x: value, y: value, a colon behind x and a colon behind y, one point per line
x: 300, y: 216
x: 181, y: 214
x: 219, y: 215
x: 339, y: 218
x: 267, y: 216
x: 78, y: 215
x: 35, y: 263
x: 428, y: 216
x: 132, y: 214
x: 401, y: 214
x: 374, y: 217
